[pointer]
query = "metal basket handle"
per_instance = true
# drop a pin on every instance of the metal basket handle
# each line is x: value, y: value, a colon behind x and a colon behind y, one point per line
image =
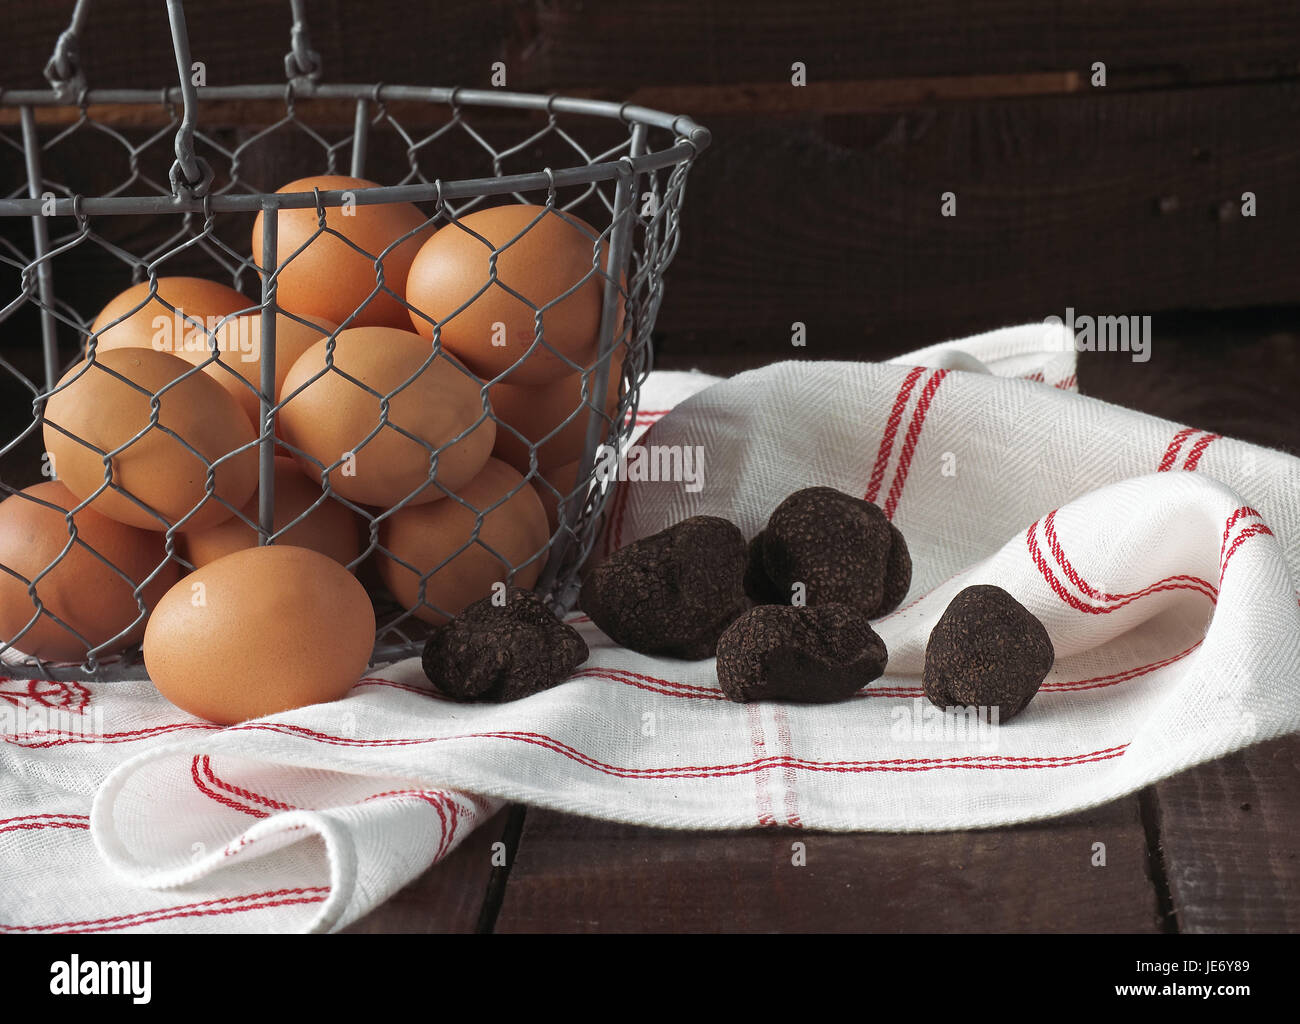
x: 190, y: 175
x: 63, y: 70
x: 302, y: 64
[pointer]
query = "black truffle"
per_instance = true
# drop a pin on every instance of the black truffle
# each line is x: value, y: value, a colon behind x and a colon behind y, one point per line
x: 502, y: 652
x: 836, y: 545
x: 672, y: 593
x: 898, y: 573
x: 813, y: 655
x: 987, y: 650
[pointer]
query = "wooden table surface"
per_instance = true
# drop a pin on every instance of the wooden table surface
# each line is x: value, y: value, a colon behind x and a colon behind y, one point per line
x: 1213, y: 849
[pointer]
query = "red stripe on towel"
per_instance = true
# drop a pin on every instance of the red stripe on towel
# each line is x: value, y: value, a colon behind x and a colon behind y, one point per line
x: 1171, y: 453
x: 1198, y: 449
x: 909, y: 443
x: 886, y: 448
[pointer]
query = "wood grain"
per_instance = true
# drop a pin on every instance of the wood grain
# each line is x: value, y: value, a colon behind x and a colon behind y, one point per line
x: 127, y: 44
x: 625, y: 46
x: 1230, y: 846
x: 1118, y: 203
x: 576, y: 874
x: 549, y: 44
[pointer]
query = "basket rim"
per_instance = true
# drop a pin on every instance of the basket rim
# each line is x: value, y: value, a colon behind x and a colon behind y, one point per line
x: 693, y: 138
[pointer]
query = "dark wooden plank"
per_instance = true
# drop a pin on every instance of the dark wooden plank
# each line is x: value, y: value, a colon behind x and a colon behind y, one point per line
x: 127, y: 44
x: 447, y: 898
x: 851, y: 96
x: 576, y: 874
x: 548, y: 44
x: 1126, y: 202
x: 625, y: 46
x: 1229, y: 841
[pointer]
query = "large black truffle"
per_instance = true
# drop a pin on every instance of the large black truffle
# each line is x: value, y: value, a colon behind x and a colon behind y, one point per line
x: 836, y: 545
x: 502, y: 652
x: 987, y: 650
x: 813, y: 655
x: 672, y: 593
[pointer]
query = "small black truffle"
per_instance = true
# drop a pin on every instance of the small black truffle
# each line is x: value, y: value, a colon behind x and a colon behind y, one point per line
x: 502, y: 652
x: 672, y: 593
x: 812, y: 655
x: 987, y: 650
x: 836, y: 545
x: 898, y: 573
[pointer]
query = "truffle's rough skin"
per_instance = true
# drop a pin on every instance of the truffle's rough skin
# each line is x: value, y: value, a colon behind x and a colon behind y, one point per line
x: 898, y: 573
x: 987, y: 650
x: 835, y: 544
x: 812, y: 655
x: 672, y: 593
x: 757, y: 586
x: 503, y: 653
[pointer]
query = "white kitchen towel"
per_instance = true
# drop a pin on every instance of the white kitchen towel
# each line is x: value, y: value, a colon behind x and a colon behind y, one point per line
x: 1161, y: 559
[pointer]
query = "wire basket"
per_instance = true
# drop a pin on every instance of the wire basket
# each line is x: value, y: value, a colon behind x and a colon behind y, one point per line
x: 622, y: 186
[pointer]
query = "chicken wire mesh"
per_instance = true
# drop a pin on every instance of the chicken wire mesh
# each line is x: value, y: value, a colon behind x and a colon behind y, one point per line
x: 65, y: 248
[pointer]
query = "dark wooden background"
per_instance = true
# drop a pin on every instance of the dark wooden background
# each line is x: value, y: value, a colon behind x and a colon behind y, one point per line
x: 821, y: 204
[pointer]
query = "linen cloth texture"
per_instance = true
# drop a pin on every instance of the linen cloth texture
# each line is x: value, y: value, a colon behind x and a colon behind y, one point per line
x: 1160, y: 558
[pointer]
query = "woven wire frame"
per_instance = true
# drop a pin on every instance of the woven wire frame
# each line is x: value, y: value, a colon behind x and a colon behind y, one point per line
x: 634, y: 212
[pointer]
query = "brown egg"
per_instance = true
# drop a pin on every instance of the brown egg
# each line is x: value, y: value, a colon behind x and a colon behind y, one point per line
x: 330, y: 527
x: 424, y: 535
x: 496, y: 329
x: 260, y: 631
x: 329, y: 278
x: 92, y: 598
x: 240, y: 341
x: 563, y: 479
x: 157, y: 469
x: 555, y: 412
x: 333, y: 417
x: 155, y: 326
